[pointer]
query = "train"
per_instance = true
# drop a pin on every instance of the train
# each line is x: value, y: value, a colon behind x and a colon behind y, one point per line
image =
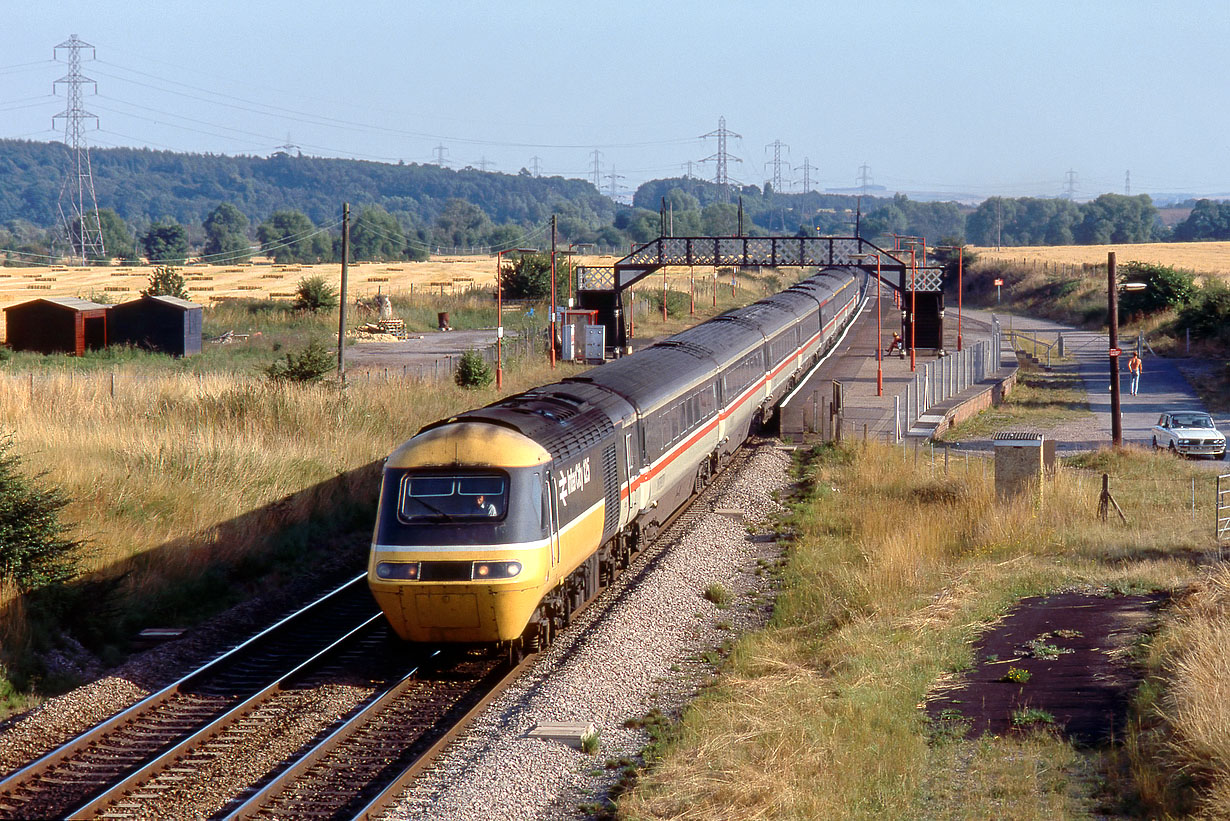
x: 495, y: 525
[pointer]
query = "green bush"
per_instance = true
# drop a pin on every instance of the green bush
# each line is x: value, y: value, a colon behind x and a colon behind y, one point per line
x: 527, y: 277
x: 677, y: 302
x: 1165, y: 288
x: 167, y: 281
x: 315, y: 294
x: 310, y: 365
x: 473, y: 371
x: 1208, y: 316
x: 34, y: 549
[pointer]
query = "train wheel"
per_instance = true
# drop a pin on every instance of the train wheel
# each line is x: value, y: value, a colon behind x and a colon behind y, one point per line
x: 702, y: 477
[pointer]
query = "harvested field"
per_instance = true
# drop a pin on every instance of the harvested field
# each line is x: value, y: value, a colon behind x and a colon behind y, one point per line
x: 1200, y: 257
x: 211, y: 284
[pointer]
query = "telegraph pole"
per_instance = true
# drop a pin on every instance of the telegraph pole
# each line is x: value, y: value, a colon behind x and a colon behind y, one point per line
x: 1112, y: 317
x: 81, y: 223
x: 554, y: 307
x: 341, y: 323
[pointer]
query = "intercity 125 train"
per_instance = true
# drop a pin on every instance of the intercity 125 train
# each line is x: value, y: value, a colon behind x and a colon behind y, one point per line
x: 496, y: 524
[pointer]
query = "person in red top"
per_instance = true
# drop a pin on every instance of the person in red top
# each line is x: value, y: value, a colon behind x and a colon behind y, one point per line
x: 1134, y: 368
x: 896, y: 345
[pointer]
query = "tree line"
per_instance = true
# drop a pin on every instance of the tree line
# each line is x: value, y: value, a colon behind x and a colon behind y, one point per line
x: 168, y: 207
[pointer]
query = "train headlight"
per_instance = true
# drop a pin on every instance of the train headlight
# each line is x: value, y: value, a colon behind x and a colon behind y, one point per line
x: 405, y: 571
x: 496, y: 570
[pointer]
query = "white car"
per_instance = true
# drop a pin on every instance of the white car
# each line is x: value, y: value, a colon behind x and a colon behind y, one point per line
x: 1190, y: 433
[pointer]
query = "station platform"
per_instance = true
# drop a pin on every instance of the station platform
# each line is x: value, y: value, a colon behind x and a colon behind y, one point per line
x: 943, y: 387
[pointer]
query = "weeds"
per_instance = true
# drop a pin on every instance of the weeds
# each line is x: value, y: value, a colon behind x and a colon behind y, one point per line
x: 719, y: 595
x: 1017, y: 675
x: 1031, y: 717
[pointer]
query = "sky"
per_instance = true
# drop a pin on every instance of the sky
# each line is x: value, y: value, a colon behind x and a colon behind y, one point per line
x: 975, y: 98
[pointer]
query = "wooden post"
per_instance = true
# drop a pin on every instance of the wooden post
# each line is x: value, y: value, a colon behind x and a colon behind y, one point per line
x: 1112, y: 317
x: 341, y: 323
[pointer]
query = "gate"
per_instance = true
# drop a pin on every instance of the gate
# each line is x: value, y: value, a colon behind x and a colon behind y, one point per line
x: 1223, y: 508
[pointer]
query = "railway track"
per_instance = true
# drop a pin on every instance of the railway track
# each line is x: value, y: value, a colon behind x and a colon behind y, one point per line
x: 164, y: 757
x: 111, y: 752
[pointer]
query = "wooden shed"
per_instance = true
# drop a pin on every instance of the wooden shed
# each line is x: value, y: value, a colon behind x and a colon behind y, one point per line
x: 57, y: 325
x: 158, y: 323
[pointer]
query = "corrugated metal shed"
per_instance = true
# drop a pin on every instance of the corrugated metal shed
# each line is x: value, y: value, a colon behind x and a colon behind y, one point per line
x: 158, y: 323
x: 57, y: 325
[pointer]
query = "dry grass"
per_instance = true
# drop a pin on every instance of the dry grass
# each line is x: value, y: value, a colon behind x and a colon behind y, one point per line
x: 209, y: 284
x: 897, y: 568
x: 176, y: 474
x: 1181, y: 744
x: 1200, y: 257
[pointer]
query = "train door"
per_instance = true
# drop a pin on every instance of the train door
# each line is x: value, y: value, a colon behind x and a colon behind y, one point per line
x: 631, y: 463
x: 553, y: 502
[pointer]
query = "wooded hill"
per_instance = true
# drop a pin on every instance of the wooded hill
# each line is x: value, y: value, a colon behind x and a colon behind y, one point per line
x: 441, y: 209
x: 145, y: 186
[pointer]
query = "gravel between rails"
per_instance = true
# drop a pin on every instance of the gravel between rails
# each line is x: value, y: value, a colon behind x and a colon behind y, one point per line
x: 614, y: 664
x: 29, y: 735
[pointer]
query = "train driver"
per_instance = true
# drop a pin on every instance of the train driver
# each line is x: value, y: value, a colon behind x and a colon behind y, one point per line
x: 484, y: 507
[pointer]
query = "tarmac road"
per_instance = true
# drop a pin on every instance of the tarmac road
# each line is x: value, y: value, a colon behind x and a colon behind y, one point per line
x: 1163, y: 386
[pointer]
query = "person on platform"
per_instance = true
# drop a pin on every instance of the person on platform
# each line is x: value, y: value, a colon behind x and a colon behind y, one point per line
x: 898, y: 344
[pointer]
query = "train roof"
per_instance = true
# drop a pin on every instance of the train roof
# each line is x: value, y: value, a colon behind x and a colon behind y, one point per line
x: 653, y: 375
x: 769, y: 316
x: 564, y: 418
x: 722, y: 337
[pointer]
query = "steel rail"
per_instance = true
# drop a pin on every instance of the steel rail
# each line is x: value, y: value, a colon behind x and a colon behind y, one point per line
x: 169, y: 756
x: 26, y: 775
x: 385, y: 798
x: 253, y: 805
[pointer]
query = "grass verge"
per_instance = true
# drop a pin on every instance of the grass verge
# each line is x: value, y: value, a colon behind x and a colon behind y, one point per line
x: 889, y: 581
x: 1041, y: 400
